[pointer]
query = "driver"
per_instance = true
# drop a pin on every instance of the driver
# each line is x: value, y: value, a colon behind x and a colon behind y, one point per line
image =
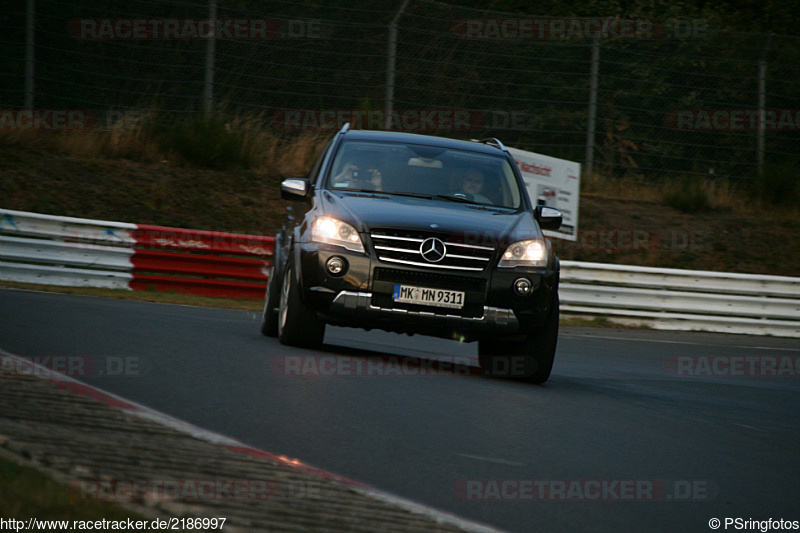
x: 472, y: 185
x: 360, y: 173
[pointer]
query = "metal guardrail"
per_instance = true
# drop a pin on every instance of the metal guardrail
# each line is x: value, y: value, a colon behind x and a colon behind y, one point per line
x: 36, y: 248
x: 21, y: 250
x: 689, y: 300
x: 66, y: 251
x: 64, y: 276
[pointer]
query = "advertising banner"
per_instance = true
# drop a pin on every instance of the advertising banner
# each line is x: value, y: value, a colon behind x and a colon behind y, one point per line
x: 553, y: 182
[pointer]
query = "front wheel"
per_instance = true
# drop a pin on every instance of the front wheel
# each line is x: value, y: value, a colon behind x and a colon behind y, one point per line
x: 530, y: 359
x: 297, y: 324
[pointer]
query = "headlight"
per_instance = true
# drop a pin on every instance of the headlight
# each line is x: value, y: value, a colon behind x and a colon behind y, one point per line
x: 525, y: 253
x: 331, y: 231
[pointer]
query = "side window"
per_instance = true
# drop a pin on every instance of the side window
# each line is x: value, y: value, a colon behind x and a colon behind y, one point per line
x: 314, y: 173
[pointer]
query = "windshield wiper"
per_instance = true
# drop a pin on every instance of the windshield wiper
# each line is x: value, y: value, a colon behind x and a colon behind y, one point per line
x: 460, y: 199
x: 372, y: 192
x: 434, y: 196
x: 411, y: 194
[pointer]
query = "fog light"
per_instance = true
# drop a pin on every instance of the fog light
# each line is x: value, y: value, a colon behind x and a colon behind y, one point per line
x: 523, y: 286
x: 335, y: 266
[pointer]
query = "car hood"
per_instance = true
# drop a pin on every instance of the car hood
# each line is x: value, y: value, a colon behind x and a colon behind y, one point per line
x: 367, y: 211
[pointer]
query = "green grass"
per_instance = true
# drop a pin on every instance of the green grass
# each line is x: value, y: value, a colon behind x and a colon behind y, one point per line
x: 28, y: 493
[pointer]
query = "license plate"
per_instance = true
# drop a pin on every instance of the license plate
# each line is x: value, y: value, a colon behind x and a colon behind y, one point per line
x: 409, y: 294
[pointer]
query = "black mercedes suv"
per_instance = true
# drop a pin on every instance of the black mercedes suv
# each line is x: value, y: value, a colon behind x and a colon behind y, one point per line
x: 418, y: 234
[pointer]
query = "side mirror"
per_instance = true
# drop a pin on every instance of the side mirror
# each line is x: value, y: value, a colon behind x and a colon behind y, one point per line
x: 295, y: 189
x: 547, y: 217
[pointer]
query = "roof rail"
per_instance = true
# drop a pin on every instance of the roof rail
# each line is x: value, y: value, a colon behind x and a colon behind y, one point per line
x: 494, y: 141
x: 345, y: 128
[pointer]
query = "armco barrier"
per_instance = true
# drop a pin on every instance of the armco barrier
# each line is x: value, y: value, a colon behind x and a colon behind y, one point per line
x: 688, y: 300
x: 36, y: 248
x: 51, y: 250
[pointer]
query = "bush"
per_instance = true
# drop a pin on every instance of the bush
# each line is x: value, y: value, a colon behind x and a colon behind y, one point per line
x: 687, y: 197
x: 209, y: 141
x: 778, y: 185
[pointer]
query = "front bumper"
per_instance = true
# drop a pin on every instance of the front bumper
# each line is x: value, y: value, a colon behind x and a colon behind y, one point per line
x: 360, y: 298
x: 359, y: 304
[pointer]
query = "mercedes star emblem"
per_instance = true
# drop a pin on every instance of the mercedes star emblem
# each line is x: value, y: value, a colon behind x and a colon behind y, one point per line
x: 433, y: 250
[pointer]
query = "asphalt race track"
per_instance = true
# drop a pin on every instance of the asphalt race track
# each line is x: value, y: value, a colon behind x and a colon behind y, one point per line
x: 635, y: 431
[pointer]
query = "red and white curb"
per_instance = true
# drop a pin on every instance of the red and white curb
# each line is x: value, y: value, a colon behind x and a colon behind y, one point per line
x: 80, y: 252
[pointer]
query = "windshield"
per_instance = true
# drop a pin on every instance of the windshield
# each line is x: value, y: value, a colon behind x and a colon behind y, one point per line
x: 425, y: 171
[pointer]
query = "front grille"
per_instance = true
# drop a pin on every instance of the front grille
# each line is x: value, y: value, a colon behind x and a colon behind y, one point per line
x: 392, y: 246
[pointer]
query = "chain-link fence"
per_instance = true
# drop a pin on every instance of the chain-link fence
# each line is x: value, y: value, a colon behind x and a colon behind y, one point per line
x: 645, y: 97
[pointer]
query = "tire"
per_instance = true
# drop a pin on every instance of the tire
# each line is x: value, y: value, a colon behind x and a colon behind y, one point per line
x: 530, y: 359
x: 297, y: 324
x: 269, y: 317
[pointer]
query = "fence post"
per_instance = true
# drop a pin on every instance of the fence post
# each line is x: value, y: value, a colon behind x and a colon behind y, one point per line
x: 590, y: 126
x: 208, y: 88
x: 29, y: 54
x: 392, y: 55
x: 762, y: 98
